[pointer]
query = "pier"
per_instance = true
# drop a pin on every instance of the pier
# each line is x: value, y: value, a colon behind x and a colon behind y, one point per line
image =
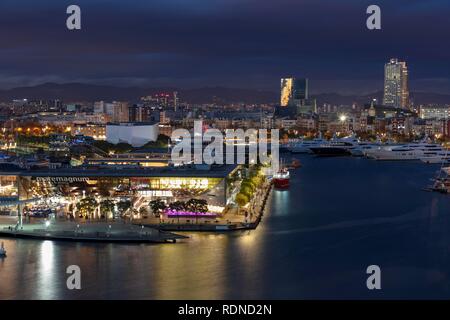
x: 256, y: 209
x: 90, y: 232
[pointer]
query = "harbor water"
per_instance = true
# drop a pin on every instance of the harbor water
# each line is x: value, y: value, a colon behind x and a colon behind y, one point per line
x: 316, y: 240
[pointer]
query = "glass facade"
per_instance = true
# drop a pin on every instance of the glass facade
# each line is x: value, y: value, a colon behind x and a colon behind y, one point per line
x: 396, y: 92
x: 8, y: 186
x: 172, y: 188
x: 293, y: 91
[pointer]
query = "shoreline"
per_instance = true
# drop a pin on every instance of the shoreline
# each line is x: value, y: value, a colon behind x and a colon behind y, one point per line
x: 95, y: 232
x: 237, y: 226
x: 126, y: 233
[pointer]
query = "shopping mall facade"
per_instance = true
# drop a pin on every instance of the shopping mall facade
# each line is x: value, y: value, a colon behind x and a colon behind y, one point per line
x: 67, y: 186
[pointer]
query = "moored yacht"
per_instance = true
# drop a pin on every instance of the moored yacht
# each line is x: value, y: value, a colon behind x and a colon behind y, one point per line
x: 440, y: 157
x: 362, y: 147
x: 336, y: 147
x: 410, y: 151
x: 304, y: 146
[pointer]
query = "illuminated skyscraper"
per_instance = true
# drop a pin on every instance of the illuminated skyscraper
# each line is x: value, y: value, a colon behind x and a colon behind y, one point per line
x: 396, y: 92
x: 293, y: 91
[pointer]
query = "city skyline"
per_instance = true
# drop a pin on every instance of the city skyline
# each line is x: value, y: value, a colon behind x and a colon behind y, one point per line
x: 237, y: 44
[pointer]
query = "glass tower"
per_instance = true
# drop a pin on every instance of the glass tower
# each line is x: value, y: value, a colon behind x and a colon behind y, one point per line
x: 396, y: 92
x: 293, y: 91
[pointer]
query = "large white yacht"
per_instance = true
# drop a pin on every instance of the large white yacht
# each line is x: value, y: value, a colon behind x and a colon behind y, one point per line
x: 440, y: 157
x: 304, y: 146
x: 410, y: 151
x: 336, y: 147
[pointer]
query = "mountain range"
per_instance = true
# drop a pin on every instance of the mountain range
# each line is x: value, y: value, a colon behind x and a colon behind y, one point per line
x: 79, y: 92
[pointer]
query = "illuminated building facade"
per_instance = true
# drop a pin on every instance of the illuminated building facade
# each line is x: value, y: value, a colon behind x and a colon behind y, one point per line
x: 396, y: 92
x: 67, y: 186
x: 293, y: 91
x: 135, y: 133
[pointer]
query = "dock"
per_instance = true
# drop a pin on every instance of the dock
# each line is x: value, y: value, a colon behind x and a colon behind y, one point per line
x: 192, y: 226
x: 91, y: 232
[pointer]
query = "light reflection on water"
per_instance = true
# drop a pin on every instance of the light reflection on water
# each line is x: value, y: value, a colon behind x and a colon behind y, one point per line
x: 339, y: 216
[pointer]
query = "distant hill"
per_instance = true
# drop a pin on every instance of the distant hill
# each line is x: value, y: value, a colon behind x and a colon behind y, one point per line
x: 72, y: 92
x: 417, y: 97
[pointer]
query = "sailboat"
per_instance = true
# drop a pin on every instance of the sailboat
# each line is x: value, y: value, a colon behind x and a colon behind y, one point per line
x: 441, y: 183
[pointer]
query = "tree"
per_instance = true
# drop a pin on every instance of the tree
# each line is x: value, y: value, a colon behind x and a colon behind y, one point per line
x: 197, y: 205
x: 157, y: 206
x: 123, y: 147
x: 177, y: 206
x: 246, y: 190
x: 241, y: 199
x: 143, y: 212
x: 106, y: 207
x: 86, y: 207
x: 161, y: 142
x: 123, y: 206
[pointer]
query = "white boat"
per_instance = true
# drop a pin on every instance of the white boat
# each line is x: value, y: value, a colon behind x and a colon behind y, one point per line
x: 304, y: 146
x: 337, y: 146
x: 2, y: 251
x: 441, y: 157
x: 410, y: 151
x: 361, y: 149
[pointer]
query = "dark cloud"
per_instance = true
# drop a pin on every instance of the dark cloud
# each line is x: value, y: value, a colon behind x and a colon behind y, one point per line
x: 246, y: 43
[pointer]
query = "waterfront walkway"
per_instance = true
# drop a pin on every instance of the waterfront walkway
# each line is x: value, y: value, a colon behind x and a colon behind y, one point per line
x: 229, y: 222
x: 95, y: 231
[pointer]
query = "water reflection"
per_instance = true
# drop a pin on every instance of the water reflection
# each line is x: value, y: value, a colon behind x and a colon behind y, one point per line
x: 46, y: 270
x: 339, y: 216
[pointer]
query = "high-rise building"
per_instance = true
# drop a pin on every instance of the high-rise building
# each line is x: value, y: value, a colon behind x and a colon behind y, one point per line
x: 293, y: 91
x: 120, y: 111
x: 396, y: 92
x: 175, y: 100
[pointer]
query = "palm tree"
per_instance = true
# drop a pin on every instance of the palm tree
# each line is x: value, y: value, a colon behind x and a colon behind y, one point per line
x: 86, y: 207
x: 106, y: 207
x: 197, y: 205
x: 123, y: 206
x: 143, y: 212
x: 157, y: 206
x: 178, y: 206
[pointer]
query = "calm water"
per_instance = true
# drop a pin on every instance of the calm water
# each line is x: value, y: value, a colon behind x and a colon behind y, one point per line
x: 339, y: 216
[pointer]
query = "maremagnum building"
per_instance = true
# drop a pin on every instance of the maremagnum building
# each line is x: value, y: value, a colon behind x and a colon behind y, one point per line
x: 66, y: 186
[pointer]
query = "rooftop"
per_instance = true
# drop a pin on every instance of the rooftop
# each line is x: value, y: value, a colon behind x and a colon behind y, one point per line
x: 96, y: 171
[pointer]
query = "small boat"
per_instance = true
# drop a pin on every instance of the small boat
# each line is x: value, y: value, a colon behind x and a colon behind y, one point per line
x: 296, y: 164
x: 281, y: 179
x: 2, y: 251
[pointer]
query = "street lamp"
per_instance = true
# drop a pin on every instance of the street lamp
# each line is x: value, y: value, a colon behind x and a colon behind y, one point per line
x: 342, y: 117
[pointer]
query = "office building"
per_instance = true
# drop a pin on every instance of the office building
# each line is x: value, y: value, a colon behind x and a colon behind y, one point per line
x: 396, y: 92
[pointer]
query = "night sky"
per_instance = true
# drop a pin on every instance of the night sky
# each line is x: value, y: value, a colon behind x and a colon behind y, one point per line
x: 233, y: 43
